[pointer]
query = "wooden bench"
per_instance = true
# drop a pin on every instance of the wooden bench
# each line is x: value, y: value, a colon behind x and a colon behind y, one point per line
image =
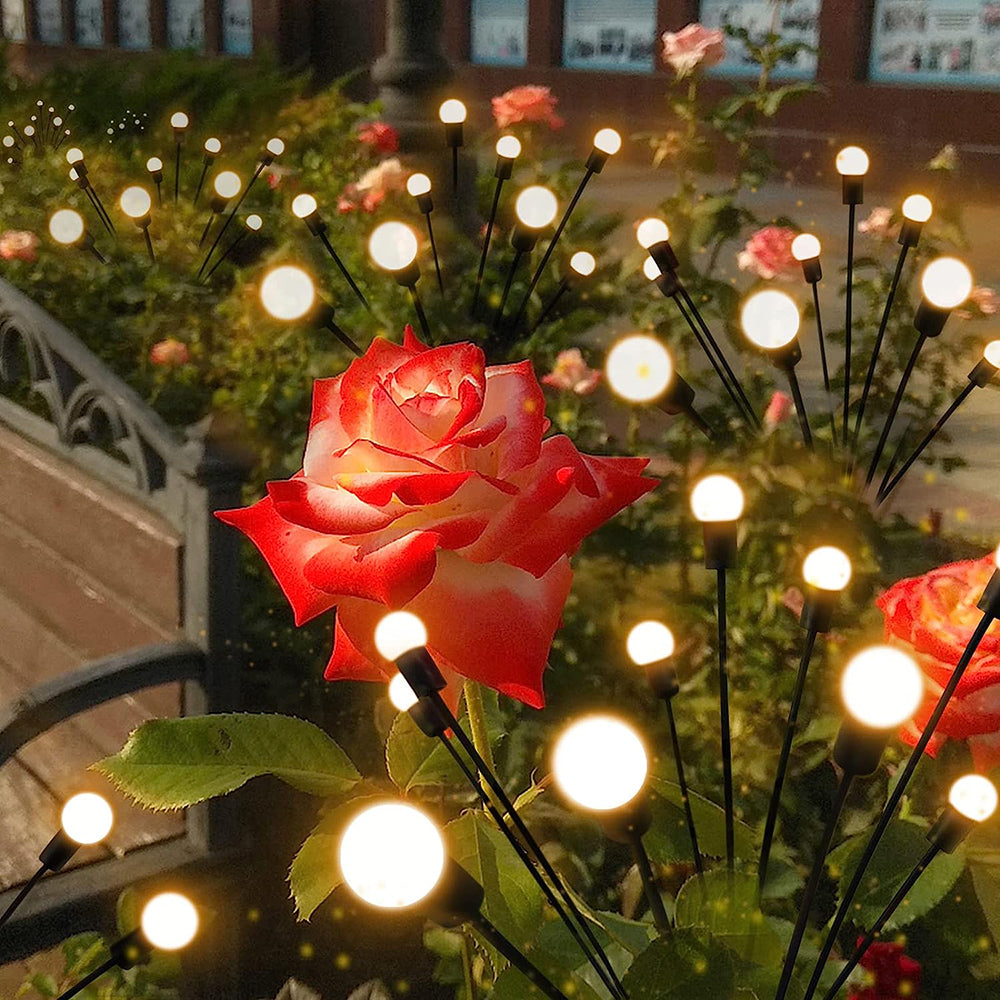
x: 119, y: 602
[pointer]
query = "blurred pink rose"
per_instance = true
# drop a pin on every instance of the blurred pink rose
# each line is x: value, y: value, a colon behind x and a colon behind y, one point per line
x: 984, y: 302
x: 18, y: 244
x: 778, y: 409
x: 571, y: 373
x: 169, y: 352
x: 382, y: 137
x: 768, y: 253
x: 693, y: 46
x: 878, y: 223
x: 529, y: 103
x: 389, y: 175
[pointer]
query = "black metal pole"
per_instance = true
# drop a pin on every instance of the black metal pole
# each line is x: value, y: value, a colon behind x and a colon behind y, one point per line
x: 232, y: 214
x: 89, y: 979
x: 498, y: 318
x: 515, y: 957
x: 201, y: 180
x: 800, y: 407
x: 325, y: 240
x: 206, y: 230
x: 434, y: 250
x: 727, y: 749
x: 486, y: 243
x: 822, y: 354
x: 653, y: 898
x: 551, y: 304
x: 225, y: 253
x: 177, y: 170
x: 100, y: 215
x: 421, y: 315
x: 23, y: 894
x: 149, y: 245
x: 344, y: 338
x: 848, y: 304
x: 685, y: 798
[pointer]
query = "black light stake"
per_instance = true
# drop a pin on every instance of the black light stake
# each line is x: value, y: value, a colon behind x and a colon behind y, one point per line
x: 984, y: 373
x: 946, y: 284
x: 881, y: 688
x: 66, y: 134
x: 169, y: 922
x: 826, y: 571
x: 806, y: 250
x: 83, y: 184
x: 453, y: 114
x: 607, y: 142
x: 916, y: 211
x: 393, y: 857
x: 508, y: 149
x: 989, y: 604
x: 419, y: 187
x: 13, y: 126
x: 535, y: 208
x: 717, y: 501
x: 393, y: 246
x: 852, y: 165
x: 86, y: 819
x: 436, y: 724
x: 136, y: 203
x: 68, y: 228
x: 640, y: 369
x: 289, y: 294
x: 10, y: 145
x: 155, y: 167
x: 770, y: 319
x: 581, y: 267
x: 80, y: 174
x: 650, y: 645
x: 600, y: 764
x: 254, y: 223
x: 971, y: 800
x: 179, y: 122
x: 306, y: 208
x: 31, y: 131
x: 57, y: 124
x: 225, y: 187
x: 212, y: 149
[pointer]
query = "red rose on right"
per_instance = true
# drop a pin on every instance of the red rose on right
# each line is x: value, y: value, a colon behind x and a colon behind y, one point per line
x: 933, y: 617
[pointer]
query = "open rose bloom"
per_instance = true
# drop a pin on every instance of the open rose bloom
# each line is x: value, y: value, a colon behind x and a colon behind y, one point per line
x: 427, y: 485
x: 932, y: 617
x: 768, y: 254
x: 692, y: 47
x: 526, y: 105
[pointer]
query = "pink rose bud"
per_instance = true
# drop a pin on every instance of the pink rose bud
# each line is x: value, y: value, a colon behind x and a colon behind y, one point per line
x: 169, y: 352
x: 778, y: 409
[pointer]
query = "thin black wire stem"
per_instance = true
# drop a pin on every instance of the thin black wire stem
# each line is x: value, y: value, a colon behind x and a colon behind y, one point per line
x: 800, y: 407
x: 520, y: 962
x: 421, y: 315
x: 527, y: 861
x: 159, y: 194
x: 149, y: 244
x: 886, y: 489
x: 97, y: 253
x: 89, y: 979
x: 177, y: 171
x: 727, y: 748
x: 232, y: 214
x: 897, y: 454
x: 100, y: 215
x: 883, y: 918
x: 843, y: 787
x: 225, y: 253
x: 206, y: 230
x: 894, y: 798
x: 848, y: 306
x: 896, y: 400
x: 498, y: 318
x: 454, y: 169
x: 551, y: 304
x: 486, y: 243
x: 434, y: 250
x: 872, y: 364
x: 344, y: 338
x: 325, y: 240
x: 490, y: 778
x: 722, y: 358
x: 201, y: 181
x: 101, y: 208
x: 685, y: 798
x: 23, y: 894
x: 783, y: 757
x: 822, y: 355
x: 653, y: 898
x: 536, y: 277
x: 700, y: 422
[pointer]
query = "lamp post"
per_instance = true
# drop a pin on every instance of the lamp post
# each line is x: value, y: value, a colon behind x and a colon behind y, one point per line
x: 418, y: 186
x: 508, y: 149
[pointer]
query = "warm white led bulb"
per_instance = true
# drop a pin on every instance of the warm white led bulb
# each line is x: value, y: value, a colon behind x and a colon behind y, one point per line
x: 452, y: 112
x: 639, y: 368
x: 717, y: 498
x: 974, y: 797
x: 649, y: 642
x: 8, y: 142
x: 275, y: 146
x: 73, y: 175
x: 852, y: 161
x: 87, y: 818
x: 827, y: 568
x: 213, y: 147
x: 651, y: 269
x: 179, y: 120
x: 770, y: 319
x: 391, y: 855
x: 254, y: 222
x: 600, y: 763
x: 583, y: 263
x: 402, y: 696
x: 287, y: 293
x: 66, y: 226
x: 303, y: 205
x: 536, y: 207
x: 805, y: 246
x: 169, y: 921
x: 74, y: 155
x: 393, y: 246
x: 917, y: 208
x: 399, y: 632
x: 227, y: 184
x: 946, y: 282
x: 992, y: 353
x: 608, y: 141
x: 509, y: 147
x: 154, y: 164
x: 29, y: 130
x: 881, y: 687
x: 651, y: 231
x: 418, y: 184
x: 135, y: 202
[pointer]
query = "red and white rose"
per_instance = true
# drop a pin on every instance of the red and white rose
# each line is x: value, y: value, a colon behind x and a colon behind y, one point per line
x: 528, y: 104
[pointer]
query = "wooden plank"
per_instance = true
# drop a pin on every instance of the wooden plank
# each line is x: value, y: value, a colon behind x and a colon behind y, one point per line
x: 131, y: 551
x: 28, y: 812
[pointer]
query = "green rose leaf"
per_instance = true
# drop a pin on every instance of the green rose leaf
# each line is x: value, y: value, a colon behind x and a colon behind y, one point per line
x: 687, y: 966
x: 173, y: 763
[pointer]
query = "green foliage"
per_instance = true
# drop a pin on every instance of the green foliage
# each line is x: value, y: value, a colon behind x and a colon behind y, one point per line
x: 688, y: 965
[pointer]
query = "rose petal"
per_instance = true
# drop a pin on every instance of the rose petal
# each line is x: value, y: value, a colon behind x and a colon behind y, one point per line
x: 326, y: 509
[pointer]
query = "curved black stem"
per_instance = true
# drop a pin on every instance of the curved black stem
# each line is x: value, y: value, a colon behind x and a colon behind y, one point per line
x: 101, y: 208
x: 23, y: 894
x: 783, y: 757
x: 97, y: 253
x: 454, y: 169
x: 812, y: 885
x: 894, y: 798
x: 515, y: 957
x: 653, y: 898
x: 800, y: 407
x: 434, y: 251
x: 486, y: 243
x: 822, y: 354
x: 206, y: 230
x: 848, y: 305
x: 421, y: 315
x: 100, y: 215
x: 699, y: 421
x: 727, y: 748
x: 886, y: 489
x: 89, y: 979
x: 883, y: 918
x: 893, y: 463
x: 335, y: 257
x: 896, y: 400
x: 498, y: 318
x: 551, y: 304
x: 685, y: 798
x: 159, y: 194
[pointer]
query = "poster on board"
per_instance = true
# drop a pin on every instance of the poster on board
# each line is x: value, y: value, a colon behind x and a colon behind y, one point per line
x: 609, y: 34
x: 500, y: 32
x: 185, y: 24
x: 936, y: 41
x: 237, y: 27
x: 49, y: 21
x: 88, y: 22
x: 12, y: 20
x: 133, y: 24
x: 794, y: 21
